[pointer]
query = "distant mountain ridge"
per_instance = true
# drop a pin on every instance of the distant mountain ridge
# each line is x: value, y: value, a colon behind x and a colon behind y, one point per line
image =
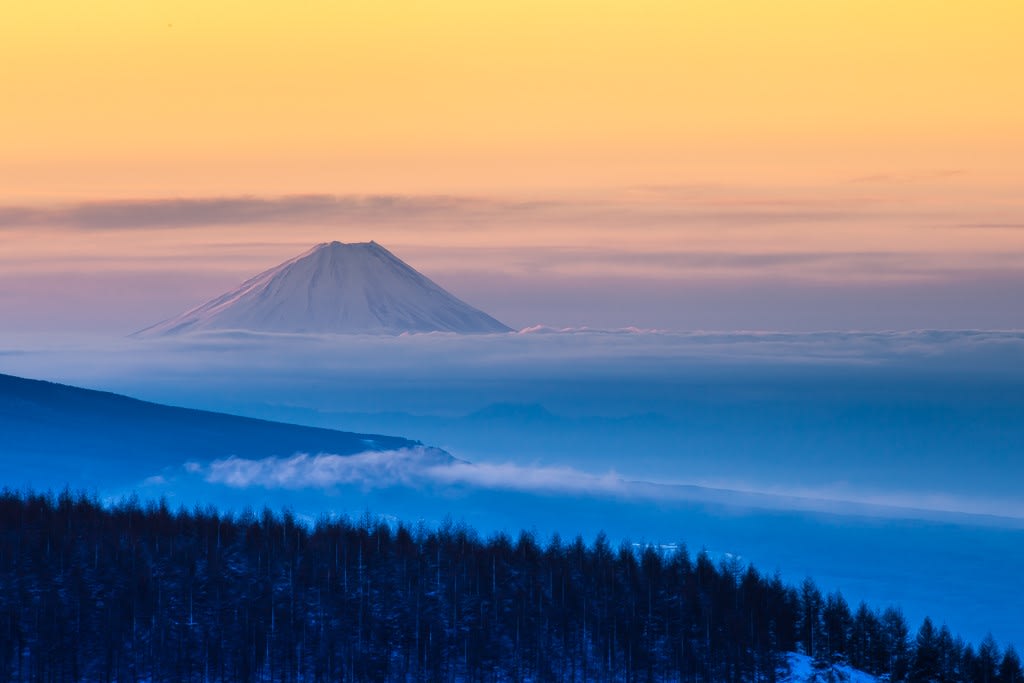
x: 54, y: 433
x: 357, y: 288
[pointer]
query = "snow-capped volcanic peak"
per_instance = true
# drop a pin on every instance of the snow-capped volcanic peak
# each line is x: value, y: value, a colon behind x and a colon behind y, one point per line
x: 358, y: 288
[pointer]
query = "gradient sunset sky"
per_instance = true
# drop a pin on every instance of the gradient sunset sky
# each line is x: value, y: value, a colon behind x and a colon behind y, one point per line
x: 796, y: 164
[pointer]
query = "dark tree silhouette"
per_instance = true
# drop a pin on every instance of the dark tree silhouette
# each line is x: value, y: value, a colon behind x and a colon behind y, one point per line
x: 138, y: 592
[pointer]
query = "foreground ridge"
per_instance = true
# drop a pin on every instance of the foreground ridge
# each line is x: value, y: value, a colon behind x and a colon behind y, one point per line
x: 141, y: 592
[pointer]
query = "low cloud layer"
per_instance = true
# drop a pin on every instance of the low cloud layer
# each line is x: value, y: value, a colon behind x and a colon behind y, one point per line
x: 372, y: 469
x: 415, y: 467
x: 428, y: 468
x: 928, y: 411
x: 536, y: 352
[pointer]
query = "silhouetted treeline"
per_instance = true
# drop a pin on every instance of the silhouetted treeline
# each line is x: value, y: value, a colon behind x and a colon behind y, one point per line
x: 143, y: 593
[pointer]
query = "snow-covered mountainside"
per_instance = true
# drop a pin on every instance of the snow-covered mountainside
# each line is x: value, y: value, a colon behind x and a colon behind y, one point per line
x: 359, y: 288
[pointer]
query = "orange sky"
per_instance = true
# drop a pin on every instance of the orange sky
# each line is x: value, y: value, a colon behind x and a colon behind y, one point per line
x: 119, y: 98
x: 810, y: 141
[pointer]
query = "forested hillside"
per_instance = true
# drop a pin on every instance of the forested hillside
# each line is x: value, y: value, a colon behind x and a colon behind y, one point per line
x: 143, y: 593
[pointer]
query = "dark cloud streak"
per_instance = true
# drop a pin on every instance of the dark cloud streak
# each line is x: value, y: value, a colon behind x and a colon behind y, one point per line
x: 185, y: 213
x: 373, y: 209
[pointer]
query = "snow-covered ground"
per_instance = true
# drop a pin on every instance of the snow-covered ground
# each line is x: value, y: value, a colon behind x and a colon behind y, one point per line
x: 802, y: 670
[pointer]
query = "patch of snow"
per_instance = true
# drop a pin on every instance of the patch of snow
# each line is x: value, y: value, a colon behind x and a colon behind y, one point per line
x: 802, y: 669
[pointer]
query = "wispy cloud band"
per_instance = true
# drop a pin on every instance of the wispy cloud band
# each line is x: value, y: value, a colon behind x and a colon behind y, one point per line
x: 312, y: 209
x: 244, y: 210
x: 429, y: 468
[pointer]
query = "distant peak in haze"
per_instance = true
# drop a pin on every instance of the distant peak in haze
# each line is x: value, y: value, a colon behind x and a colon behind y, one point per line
x: 347, y: 245
x: 340, y: 288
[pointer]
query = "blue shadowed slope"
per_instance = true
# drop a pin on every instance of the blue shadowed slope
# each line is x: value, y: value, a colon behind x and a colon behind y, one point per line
x: 53, y: 434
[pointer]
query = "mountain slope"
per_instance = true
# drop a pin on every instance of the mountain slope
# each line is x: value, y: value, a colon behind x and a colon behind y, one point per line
x: 51, y: 434
x: 359, y: 288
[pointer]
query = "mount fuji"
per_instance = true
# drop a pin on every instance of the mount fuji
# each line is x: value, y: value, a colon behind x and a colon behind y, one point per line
x: 358, y: 288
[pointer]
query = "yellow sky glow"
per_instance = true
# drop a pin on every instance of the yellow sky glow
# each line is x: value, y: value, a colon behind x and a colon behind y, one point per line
x: 119, y: 98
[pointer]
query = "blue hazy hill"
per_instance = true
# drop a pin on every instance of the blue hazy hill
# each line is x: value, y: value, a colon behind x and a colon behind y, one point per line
x: 52, y: 434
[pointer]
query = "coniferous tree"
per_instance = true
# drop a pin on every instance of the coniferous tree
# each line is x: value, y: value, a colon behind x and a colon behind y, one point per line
x: 968, y: 664
x: 837, y: 622
x: 926, y: 665
x: 894, y: 635
x: 986, y: 666
x: 811, y: 604
x: 865, y: 639
x: 949, y: 655
x: 1010, y: 667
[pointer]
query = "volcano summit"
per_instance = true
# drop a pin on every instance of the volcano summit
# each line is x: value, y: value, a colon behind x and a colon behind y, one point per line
x: 358, y: 288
